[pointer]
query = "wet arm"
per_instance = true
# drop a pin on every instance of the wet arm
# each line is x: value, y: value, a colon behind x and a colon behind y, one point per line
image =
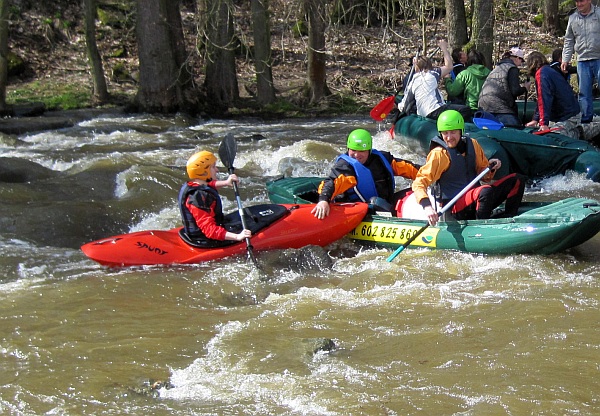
x: 436, y: 164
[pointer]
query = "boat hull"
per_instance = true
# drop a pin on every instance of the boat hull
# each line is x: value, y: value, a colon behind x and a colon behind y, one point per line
x: 164, y: 247
x: 540, y: 227
x: 521, y: 151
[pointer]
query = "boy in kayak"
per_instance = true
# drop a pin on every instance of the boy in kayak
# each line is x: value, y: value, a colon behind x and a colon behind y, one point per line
x: 200, y: 203
x: 362, y: 173
x: 455, y: 160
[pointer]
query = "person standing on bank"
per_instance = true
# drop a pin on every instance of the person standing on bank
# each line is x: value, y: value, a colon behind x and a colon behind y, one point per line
x: 502, y: 87
x: 454, y: 161
x: 200, y: 203
x: 583, y: 37
x: 362, y: 173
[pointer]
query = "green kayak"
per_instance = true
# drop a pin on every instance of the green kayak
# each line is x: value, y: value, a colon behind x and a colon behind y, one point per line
x: 540, y: 227
x: 521, y: 151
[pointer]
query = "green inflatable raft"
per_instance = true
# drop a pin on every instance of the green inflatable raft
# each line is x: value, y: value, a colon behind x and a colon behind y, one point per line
x: 521, y: 151
x: 539, y: 228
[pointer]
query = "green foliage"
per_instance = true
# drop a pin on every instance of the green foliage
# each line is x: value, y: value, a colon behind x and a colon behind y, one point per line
x: 14, y: 10
x: 16, y: 65
x: 281, y: 106
x: 538, y: 20
x: 300, y: 29
x: 119, y: 53
x: 120, y: 73
x: 344, y: 104
x: 54, y: 96
x: 115, y: 16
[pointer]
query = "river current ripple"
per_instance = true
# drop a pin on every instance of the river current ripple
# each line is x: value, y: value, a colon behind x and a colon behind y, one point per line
x: 430, y: 333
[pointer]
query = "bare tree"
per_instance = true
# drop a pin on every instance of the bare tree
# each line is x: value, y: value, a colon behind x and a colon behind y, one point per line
x: 456, y: 21
x: 317, y: 85
x: 99, y: 90
x: 550, y: 24
x: 165, y: 81
x: 262, y: 51
x: 221, y: 77
x: 3, y: 53
x: 483, y: 29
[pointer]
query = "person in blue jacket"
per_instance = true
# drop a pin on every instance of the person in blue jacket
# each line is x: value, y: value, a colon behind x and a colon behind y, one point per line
x: 361, y: 174
x: 557, y: 106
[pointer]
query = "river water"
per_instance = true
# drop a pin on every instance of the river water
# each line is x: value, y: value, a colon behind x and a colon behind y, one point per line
x: 431, y: 333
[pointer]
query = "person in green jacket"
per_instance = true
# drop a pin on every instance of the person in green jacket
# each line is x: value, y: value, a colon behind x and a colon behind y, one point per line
x: 469, y: 81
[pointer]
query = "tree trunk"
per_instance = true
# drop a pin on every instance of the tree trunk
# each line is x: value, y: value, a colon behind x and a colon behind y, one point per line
x: 164, y: 85
x: 483, y: 29
x: 99, y: 90
x: 317, y: 85
x: 456, y: 20
x: 221, y: 76
x: 550, y: 24
x: 262, y: 51
x: 3, y: 54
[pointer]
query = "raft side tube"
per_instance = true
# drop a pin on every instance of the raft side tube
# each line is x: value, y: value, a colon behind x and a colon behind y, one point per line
x: 589, y: 163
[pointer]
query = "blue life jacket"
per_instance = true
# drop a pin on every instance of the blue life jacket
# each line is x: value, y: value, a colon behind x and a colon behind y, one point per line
x: 365, y: 188
x: 189, y: 223
x: 462, y: 169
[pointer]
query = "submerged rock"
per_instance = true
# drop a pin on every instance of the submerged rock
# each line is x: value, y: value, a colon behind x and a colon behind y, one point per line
x: 15, y: 170
x: 317, y: 345
x: 150, y: 388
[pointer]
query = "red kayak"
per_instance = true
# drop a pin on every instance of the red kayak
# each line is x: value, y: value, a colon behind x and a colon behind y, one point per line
x: 295, y: 228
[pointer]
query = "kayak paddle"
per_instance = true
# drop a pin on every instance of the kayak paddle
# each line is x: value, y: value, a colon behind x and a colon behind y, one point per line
x: 440, y: 212
x: 227, y: 152
x: 524, y: 118
x: 381, y: 110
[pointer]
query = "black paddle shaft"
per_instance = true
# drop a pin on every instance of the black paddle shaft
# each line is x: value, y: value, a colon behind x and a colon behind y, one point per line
x: 227, y: 152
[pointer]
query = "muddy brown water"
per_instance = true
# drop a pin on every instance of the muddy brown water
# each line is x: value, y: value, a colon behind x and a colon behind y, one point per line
x: 430, y: 333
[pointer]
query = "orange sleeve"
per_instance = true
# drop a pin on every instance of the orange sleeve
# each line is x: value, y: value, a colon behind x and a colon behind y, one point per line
x: 437, y: 163
x: 340, y: 185
x: 404, y: 169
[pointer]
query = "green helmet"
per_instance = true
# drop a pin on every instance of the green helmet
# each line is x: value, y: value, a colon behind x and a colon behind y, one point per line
x: 451, y: 120
x: 360, y: 139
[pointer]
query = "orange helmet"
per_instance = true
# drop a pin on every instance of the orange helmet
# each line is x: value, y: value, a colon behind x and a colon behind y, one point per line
x: 198, y: 166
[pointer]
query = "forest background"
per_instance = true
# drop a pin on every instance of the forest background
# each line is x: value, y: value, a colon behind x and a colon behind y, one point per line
x: 248, y: 57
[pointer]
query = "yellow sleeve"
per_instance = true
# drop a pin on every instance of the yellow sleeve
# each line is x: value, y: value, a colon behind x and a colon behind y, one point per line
x: 437, y: 163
